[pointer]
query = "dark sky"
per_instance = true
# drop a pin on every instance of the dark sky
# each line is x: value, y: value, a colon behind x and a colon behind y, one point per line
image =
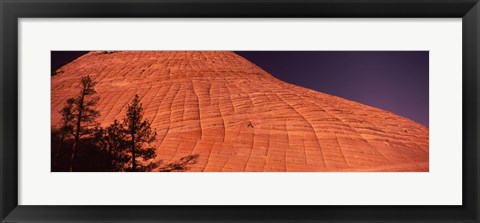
x: 396, y: 81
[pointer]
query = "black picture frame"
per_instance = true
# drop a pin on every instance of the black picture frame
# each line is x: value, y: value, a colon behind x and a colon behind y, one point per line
x: 11, y: 11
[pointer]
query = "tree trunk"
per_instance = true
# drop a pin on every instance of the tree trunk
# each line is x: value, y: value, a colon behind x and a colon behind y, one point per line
x: 60, y: 147
x: 57, y: 153
x: 133, y: 152
x: 77, y: 131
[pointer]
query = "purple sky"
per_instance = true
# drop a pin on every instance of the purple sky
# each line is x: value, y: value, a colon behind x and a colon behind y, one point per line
x: 396, y: 81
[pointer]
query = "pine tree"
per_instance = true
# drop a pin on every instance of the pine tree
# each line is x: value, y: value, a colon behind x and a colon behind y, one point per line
x: 112, y: 140
x: 66, y: 127
x: 140, y: 136
x: 83, y: 113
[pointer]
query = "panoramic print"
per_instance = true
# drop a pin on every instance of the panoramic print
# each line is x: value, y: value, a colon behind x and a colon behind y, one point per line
x: 239, y: 111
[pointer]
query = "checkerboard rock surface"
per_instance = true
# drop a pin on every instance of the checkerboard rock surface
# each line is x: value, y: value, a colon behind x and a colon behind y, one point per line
x: 238, y: 117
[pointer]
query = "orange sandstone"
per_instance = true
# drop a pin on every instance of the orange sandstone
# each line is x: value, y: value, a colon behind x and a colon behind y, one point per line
x: 238, y: 117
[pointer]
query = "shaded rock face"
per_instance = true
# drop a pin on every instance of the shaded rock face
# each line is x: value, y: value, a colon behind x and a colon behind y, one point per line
x: 238, y: 117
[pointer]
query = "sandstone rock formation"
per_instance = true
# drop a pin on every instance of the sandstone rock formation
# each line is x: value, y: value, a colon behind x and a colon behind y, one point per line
x: 238, y: 117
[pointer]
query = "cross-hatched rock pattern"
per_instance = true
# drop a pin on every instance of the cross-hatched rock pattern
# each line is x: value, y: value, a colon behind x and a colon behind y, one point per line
x: 239, y: 118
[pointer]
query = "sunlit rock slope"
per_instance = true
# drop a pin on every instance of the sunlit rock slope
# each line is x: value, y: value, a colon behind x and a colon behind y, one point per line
x: 238, y: 117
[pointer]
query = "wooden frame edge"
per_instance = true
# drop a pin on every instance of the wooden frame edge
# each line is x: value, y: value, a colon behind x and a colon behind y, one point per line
x: 10, y: 11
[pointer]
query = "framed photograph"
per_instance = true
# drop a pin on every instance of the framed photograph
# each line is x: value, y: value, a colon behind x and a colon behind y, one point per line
x: 228, y: 111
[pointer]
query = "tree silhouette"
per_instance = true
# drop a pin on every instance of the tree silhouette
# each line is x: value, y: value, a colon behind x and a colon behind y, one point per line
x: 122, y: 146
x: 112, y: 140
x: 66, y: 127
x: 132, y: 139
x: 139, y: 134
x: 82, y: 113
